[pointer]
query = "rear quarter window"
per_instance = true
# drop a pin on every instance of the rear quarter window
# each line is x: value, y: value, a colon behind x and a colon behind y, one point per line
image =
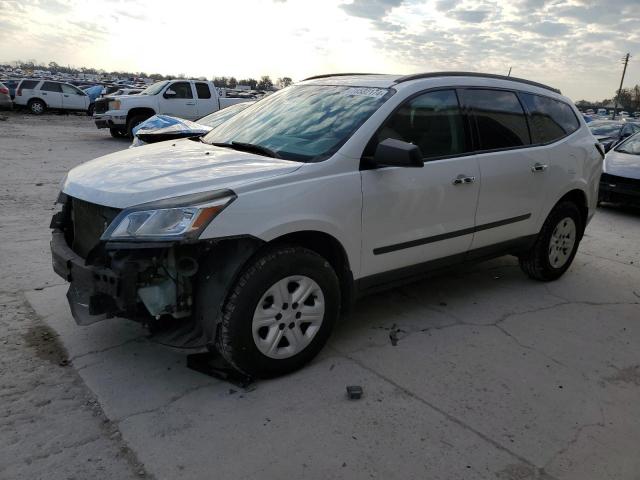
x: 550, y: 119
x: 28, y: 84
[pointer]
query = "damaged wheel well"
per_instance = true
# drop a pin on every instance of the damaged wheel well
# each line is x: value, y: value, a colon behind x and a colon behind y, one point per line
x: 330, y: 249
x: 580, y: 199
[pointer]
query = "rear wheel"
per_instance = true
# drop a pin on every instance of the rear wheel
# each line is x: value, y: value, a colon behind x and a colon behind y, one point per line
x: 37, y: 107
x: 556, y: 245
x: 280, y: 312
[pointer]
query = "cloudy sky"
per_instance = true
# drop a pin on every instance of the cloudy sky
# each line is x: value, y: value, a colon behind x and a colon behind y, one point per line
x: 576, y: 45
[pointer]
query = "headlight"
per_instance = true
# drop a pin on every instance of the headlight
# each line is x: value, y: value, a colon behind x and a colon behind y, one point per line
x: 114, y: 105
x: 160, y: 221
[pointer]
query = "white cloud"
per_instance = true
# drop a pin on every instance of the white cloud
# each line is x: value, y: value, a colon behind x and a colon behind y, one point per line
x: 575, y: 45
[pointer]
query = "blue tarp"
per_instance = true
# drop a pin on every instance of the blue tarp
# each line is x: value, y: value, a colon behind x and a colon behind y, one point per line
x: 93, y: 92
x: 160, y: 125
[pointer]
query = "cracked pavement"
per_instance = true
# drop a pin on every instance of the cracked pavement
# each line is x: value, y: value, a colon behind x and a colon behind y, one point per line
x: 492, y: 375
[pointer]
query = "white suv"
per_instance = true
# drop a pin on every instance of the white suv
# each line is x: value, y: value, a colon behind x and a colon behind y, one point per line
x: 40, y: 95
x: 255, y: 237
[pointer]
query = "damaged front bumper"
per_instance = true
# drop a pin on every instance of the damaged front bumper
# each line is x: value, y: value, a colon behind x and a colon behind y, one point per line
x: 98, y: 292
x: 110, y: 119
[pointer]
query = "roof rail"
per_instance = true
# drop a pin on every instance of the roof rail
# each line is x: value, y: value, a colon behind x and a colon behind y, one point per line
x: 336, y: 75
x: 417, y: 76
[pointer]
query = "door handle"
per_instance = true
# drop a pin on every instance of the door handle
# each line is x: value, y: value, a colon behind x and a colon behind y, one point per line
x: 67, y: 96
x: 539, y: 167
x: 44, y: 93
x: 462, y: 179
x: 191, y: 103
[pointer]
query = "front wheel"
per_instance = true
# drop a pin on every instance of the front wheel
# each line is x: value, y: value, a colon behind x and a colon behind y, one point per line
x: 133, y: 122
x: 556, y: 245
x: 280, y: 312
x: 117, y: 133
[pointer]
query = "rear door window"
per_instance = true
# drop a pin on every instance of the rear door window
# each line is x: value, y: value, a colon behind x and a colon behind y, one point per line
x: 203, y: 90
x: 550, y: 119
x: 51, y: 87
x: 499, y: 118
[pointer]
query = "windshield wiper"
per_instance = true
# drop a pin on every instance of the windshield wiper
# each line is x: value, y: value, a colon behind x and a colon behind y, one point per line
x: 249, y: 147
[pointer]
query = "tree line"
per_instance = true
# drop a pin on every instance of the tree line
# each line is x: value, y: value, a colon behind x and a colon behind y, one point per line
x: 264, y: 83
x: 628, y: 99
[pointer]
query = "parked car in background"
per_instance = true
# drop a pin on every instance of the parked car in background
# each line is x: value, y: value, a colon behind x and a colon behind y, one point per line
x: 5, y: 98
x: 602, y: 112
x: 127, y: 91
x: 11, y: 84
x: 610, y: 132
x: 189, y: 99
x: 255, y: 238
x: 40, y: 95
x: 620, y: 180
x: 164, y: 127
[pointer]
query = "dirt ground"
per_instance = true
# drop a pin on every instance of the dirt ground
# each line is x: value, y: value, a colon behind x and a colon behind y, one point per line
x: 489, y: 374
x: 51, y: 426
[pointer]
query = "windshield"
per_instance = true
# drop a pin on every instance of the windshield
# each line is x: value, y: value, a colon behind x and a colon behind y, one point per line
x: 605, y: 128
x: 216, y: 118
x: 631, y: 145
x: 305, y: 122
x: 155, y: 88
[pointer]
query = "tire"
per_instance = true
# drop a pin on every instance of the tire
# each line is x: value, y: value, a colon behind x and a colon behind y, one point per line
x: 556, y: 245
x: 37, y: 107
x: 258, y: 318
x: 117, y: 133
x: 133, y: 122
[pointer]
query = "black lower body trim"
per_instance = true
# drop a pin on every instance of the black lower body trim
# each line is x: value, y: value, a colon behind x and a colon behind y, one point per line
x: 400, y: 276
x: 445, y: 236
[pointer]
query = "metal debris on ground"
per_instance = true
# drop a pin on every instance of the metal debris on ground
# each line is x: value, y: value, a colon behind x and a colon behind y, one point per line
x: 393, y: 334
x: 354, y: 392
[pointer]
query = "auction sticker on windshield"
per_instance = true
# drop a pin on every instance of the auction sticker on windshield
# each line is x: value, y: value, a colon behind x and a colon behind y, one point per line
x: 365, y: 92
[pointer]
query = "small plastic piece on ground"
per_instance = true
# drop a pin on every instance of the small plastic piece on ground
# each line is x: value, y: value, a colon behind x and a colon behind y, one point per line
x: 354, y: 392
x: 213, y: 365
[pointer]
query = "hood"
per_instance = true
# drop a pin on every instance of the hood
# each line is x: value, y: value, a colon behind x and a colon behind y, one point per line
x: 165, y: 170
x: 605, y: 138
x: 622, y: 164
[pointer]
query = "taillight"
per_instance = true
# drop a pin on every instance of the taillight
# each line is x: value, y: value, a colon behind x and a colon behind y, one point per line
x: 19, y: 92
x: 4, y: 90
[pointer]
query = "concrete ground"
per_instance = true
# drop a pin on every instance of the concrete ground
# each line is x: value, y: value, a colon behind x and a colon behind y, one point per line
x: 493, y: 375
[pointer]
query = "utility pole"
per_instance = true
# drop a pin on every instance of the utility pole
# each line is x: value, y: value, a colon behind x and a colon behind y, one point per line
x: 509, y: 74
x: 625, y: 60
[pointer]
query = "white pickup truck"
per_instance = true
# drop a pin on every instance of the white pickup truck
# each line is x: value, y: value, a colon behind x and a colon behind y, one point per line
x: 190, y: 99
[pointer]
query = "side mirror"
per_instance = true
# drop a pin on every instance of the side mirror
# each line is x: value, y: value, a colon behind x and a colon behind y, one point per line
x: 169, y: 93
x: 396, y: 153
